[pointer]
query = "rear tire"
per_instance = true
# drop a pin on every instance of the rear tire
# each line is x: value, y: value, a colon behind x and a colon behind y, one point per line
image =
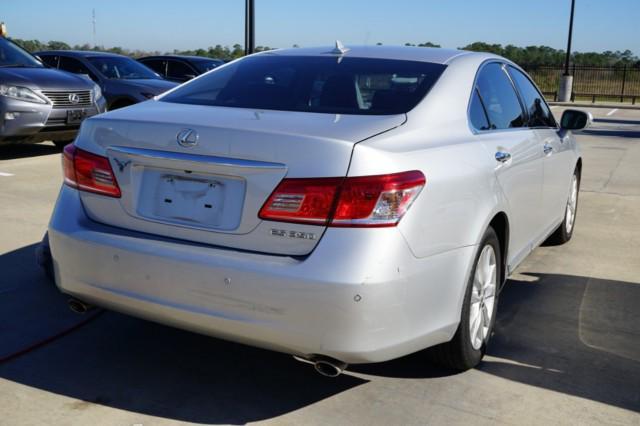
x: 565, y: 231
x: 479, y: 307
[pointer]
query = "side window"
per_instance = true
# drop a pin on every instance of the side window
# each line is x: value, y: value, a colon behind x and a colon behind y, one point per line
x: 179, y: 70
x: 539, y: 113
x: 158, y: 65
x: 75, y: 66
x: 50, y: 60
x: 477, y: 113
x: 499, y: 98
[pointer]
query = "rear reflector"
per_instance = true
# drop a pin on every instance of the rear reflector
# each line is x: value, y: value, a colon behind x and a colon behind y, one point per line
x: 365, y: 201
x: 89, y: 172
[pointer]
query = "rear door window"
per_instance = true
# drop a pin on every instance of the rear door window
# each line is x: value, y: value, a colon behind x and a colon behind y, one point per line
x: 537, y: 109
x: 75, y: 66
x: 158, y: 65
x: 50, y: 60
x: 178, y: 70
x: 499, y: 98
x: 477, y: 113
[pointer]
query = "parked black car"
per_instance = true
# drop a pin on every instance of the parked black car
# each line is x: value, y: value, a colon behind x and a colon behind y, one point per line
x: 39, y: 104
x: 180, y: 68
x: 123, y: 80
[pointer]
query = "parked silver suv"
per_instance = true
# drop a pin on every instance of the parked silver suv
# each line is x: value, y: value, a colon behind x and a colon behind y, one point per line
x: 38, y: 103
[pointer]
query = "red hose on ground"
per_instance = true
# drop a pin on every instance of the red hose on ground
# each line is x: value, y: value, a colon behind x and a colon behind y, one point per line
x: 51, y: 338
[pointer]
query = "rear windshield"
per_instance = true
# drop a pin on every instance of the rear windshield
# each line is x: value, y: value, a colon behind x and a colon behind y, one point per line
x: 337, y: 85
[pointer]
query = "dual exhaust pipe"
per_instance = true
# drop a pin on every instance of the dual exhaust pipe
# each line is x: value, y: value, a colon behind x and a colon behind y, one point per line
x: 324, y: 365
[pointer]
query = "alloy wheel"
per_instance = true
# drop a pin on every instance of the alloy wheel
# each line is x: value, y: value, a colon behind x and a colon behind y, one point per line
x: 483, y: 296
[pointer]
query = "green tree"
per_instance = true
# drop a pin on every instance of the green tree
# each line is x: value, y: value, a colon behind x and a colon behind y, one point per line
x: 58, y: 45
x: 428, y: 44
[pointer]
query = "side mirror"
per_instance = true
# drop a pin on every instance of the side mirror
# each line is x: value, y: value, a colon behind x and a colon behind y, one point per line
x: 573, y: 119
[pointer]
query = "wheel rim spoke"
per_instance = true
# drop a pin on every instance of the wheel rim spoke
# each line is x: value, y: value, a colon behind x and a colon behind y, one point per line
x: 476, y: 325
x: 482, y: 297
x: 572, y: 204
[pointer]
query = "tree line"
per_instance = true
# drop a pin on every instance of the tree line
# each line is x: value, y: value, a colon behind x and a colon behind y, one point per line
x: 529, y: 56
x: 224, y: 53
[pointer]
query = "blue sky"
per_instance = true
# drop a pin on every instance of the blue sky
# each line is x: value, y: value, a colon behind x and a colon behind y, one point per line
x: 158, y: 25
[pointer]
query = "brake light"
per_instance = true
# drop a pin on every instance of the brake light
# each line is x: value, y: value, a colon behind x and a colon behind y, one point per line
x: 89, y: 172
x: 366, y: 201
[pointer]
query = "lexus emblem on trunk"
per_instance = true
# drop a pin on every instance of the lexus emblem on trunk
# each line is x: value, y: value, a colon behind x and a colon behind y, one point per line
x: 187, y: 137
x: 74, y: 98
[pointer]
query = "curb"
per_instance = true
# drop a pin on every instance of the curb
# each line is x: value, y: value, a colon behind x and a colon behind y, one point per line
x: 590, y: 105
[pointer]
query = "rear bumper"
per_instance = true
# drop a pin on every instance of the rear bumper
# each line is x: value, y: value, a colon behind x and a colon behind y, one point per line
x: 359, y: 297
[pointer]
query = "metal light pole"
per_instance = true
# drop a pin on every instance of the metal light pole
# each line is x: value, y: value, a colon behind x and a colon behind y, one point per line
x: 249, y: 28
x: 568, y: 58
x: 566, y: 83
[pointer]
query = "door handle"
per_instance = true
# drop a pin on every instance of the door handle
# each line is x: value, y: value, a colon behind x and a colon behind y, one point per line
x: 547, y: 148
x: 502, y: 157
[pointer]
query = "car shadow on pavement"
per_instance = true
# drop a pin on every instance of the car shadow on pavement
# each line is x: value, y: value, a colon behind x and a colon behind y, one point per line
x: 574, y: 335
x: 143, y: 367
x: 16, y: 151
x: 616, y: 121
x: 633, y: 134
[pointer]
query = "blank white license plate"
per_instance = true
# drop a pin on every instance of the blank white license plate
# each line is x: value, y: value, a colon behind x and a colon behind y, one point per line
x: 185, y: 199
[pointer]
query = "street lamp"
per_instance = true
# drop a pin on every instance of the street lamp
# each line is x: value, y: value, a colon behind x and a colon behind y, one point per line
x: 566, y: 82
x: 249, y: 28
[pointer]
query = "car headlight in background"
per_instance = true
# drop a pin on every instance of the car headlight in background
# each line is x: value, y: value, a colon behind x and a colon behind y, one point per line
x: 21, y: 93
x: 97, y: 92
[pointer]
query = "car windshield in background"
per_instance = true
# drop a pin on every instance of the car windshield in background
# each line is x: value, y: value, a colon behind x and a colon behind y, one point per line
x: 13, y: 56
x: 206, y: 65
x: 314, y: 84
x: 122, y: 68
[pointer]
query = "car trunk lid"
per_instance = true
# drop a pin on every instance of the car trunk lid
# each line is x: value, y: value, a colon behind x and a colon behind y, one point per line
x: 211, y: 188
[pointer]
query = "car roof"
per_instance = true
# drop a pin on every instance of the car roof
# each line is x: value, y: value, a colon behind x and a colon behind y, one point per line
x: 187, y: 57
x: 81, y: 53
x: 406, y: 53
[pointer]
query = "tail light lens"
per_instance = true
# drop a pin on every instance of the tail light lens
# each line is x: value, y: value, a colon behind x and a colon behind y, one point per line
x: 367, y: 201
x: 89, y: 172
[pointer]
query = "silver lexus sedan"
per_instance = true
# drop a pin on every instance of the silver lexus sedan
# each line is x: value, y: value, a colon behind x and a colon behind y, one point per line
x: 340, y: 205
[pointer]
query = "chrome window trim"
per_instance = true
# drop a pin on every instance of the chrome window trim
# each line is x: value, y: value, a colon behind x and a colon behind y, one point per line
x: 503, y: 65
x: 535, y: 86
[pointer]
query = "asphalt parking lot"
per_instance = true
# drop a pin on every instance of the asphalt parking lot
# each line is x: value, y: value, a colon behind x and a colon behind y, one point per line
x: 566, y: 348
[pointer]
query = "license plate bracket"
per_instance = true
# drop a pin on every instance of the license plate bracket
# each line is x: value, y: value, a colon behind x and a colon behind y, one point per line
x: 75, y: 116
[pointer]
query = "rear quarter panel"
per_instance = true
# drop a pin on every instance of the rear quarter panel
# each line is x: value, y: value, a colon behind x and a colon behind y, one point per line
x: 460, y: 198
x: 462, y: 194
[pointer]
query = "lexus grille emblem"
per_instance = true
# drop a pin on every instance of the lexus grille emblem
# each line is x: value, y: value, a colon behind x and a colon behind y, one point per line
x: 187, y: 137
x: 74, y: 98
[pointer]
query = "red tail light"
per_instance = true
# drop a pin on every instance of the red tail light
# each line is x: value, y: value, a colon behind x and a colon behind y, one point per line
x: 367, y: 201
x: 89, y: 172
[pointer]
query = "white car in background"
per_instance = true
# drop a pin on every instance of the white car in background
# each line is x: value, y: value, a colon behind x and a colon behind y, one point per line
x: 341, y: 205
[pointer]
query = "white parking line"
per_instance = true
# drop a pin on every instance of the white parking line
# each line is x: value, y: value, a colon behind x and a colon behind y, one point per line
x: 554, y: 107
x: 6, y: 174
x: 613, y: 111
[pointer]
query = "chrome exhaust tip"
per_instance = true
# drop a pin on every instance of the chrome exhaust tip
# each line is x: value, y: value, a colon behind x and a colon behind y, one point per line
x: 78, y: 306
x: 329, y: 368
x: 324, y: 365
